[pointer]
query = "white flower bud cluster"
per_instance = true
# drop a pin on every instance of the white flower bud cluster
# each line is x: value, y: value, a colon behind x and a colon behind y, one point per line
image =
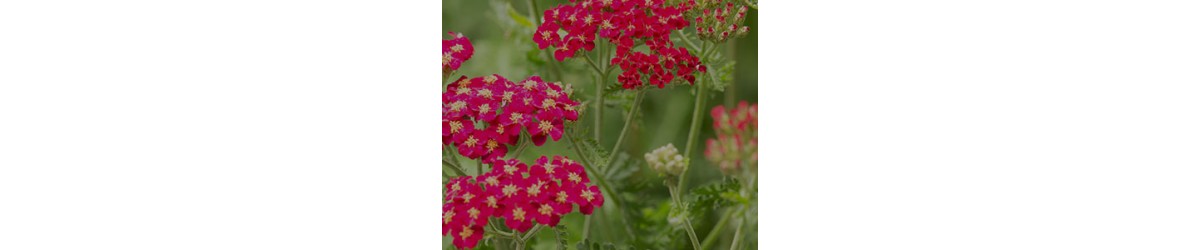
x: 666, y: 160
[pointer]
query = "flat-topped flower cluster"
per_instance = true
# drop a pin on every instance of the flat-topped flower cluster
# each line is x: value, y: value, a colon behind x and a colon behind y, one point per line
x: 737, y: 137
x: 522, y: 195
x: 627, y: 24
x: 482, y: 116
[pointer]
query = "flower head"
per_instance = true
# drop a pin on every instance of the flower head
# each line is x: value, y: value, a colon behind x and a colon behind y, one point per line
x: 737, y: 137
x: 625, y: 24
x: 666, y: 160
x: 719, y: 20
x: 482, y: 116
x: 521, y: 195
x: 455, y: 51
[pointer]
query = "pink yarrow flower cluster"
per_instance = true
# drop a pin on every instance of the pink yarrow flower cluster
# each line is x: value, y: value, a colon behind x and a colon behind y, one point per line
x: 717, y: 20
x: 455, y: 51
x: 482, y: 116
x: 737, y: 137
x: 625, y: 23
x: 522, y: 195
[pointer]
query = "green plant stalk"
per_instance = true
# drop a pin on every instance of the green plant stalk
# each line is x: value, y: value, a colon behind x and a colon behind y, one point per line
x: 603, y: 184
x: 533, y: 12
x: 694, y: 130
x: 687, y: 222
x: 737, y: 235
x: 637, y: 101
x: 453, y: 155
x: 587, y: 224
x: 456, y: 169
x: 712, y: 235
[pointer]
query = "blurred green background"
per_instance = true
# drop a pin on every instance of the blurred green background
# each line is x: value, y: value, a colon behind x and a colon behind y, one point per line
x: 503, y: 45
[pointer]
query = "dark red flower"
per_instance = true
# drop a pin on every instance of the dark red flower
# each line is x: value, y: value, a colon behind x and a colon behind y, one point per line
x: 483, y: 116
x: 625, y: 24
x: 456, y: 51
x: 522, y: 195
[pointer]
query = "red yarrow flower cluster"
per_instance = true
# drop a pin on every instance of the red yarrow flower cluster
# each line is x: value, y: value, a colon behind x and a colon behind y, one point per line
x: 522, y: 195
x: 455, y: 51
x: 482, y: 116
x: 625, y: 23
x: 737, y: 137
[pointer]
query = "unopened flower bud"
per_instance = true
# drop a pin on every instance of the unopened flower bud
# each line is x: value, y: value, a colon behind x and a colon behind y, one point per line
x: 666, y: 160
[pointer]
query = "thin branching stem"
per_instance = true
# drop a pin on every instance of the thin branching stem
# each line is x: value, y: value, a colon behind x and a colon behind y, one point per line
x: 637, y: 101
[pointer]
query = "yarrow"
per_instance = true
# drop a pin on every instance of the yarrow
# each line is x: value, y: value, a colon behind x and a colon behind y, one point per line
x: 455, y: 51
x: 737, y: 137
x: 482, y: 116
x: 520, y: 194
x: 716, y: 20
x: 666, y: 160
x: 625, y: 23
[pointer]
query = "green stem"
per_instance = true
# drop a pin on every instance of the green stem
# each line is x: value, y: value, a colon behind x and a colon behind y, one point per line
x: 687, y: 222
x: 712, y: 235
x: 694, y: 130
x: 685, y: 39
x: 603, y: 184
x: 737, y: 235
x: 533, y: 12
x: 456, y: 169
x: 587, y: 224
x: 521, y: 147
x: 593, y: 64
x: 637, y: 101
x: 453, y: 155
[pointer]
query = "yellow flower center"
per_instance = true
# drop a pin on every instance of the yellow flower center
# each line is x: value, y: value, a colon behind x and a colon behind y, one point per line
x: 509, y: 190
x: 545, y: 209
x: 457, y: 106
x: 534, y: 189
x: 562, y: 196
x: 508, y: 96
x: 474, y: 213
x: 528, y: 84
x: 545, y: 126
x: 548, y: 103
x: 485, y: 93
x: 574, y: 177
x: 446, y: 59
x: 516, y: 117
x: 467, y: 197
x: 491, y: 145
x: 552, y: 93
x: 455, y: 187
x: 519, y: 214
x: 509, y: 169
x: 471, y: 141
x: 489, y: 79
x: 485, y: 108
x: 464, y: 83
x: 491, y: 201
x: 587, y: 195
x: 456, y: 48
x: 492, y: 181
x: 545, y: 35
x: 549, y: 168
x: 466, y: 232
x: 447, y: 216
x: 455, y: 126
